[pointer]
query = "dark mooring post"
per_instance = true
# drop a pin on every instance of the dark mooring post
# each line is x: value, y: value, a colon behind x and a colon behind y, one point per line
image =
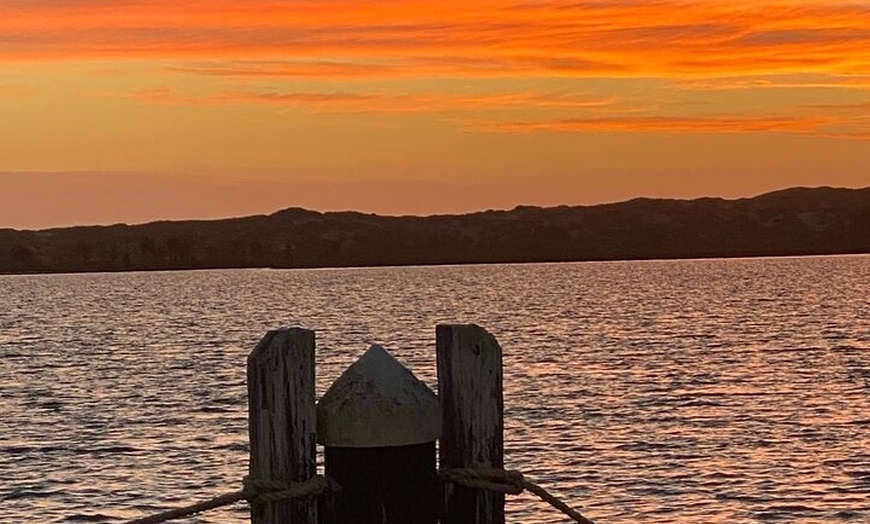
x: 472, y: 405
x: 378, y: 424
x: 281, y: 420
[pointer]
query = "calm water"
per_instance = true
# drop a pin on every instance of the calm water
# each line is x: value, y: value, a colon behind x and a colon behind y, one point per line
x: 730, y: 391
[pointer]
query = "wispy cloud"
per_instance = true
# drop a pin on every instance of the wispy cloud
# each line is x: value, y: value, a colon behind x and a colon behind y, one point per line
x: 863, y: 108
x: 838, y: 121
x: 626, y: 38
x: 160, y: 95
x: 418, y: 103
x: 402, y: 67
x: 785, y: 81
x: 491, y: 112
x: 349, y: 102
x: 660, y: 124
x: 327, y: 56
x: 293, y: 69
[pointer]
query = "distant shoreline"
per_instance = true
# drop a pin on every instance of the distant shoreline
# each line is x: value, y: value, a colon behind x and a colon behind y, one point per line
x: 792, y: 222
x: 437, y: 265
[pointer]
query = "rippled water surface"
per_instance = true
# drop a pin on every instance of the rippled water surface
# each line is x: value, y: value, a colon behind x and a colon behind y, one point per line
x: 700, y: 391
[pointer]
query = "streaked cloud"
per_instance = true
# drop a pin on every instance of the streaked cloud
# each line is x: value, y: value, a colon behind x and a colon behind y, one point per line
x: 417, y: 103
x: 664, y: 38
x: 863, y: 108
x: 160, y: 95
x: 589, y: 114
x: 359, y: 102
x: 786, y: 81
x: 292, y: 69
x: 402, y: 67
x: 661, y: 124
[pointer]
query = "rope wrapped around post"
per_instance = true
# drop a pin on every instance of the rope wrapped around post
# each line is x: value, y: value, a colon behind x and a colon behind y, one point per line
x: 255, y: 491
x: 261, y: 491
x: 506, y: 481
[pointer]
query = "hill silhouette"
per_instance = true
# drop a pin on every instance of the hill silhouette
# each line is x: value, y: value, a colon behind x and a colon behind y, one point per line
x: 797, y: 221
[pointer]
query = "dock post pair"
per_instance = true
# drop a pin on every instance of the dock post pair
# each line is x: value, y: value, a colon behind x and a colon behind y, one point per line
x: 379, y: 426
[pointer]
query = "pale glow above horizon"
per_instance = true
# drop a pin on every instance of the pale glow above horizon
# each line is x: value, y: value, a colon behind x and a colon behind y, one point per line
x: 130, y: 111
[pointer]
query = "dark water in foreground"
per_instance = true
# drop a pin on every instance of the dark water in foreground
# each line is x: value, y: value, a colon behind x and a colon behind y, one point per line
x: 730, y: 391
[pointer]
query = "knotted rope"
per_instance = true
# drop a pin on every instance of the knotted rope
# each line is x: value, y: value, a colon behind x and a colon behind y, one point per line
x: 506, y: 481
x: 482, y: 477
x: 255, y: 491
x: 259, y: 491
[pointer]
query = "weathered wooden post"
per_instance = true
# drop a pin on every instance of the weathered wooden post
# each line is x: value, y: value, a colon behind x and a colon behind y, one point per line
x: 472, y: 405
x: 281, y: 420
x: 378, y: 424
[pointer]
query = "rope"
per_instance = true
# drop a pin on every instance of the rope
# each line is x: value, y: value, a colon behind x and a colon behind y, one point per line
x: 261, y: 491
x: 480, y: 477
x: 556, y: 503
x: 223, y: 500
x: 506, y: 481
x: 255, y: 491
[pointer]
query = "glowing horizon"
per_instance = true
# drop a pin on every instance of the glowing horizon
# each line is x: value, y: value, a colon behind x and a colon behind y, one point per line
x: 212, y: 109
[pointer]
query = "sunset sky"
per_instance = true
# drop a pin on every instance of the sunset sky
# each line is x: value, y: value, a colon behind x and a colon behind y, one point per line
x: 136, y: 110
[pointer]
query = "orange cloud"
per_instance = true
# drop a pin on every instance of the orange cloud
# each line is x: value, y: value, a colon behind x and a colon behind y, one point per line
x: 293, y: 69
x: 797, y: 81
x: 343, y: 102
x: 161, y: 95
x: 662, y: 124
x: 626, y: 38
x: 404, y: 67
x: 417, y: 103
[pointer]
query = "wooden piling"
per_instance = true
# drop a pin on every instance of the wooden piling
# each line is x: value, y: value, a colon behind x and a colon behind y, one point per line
x: 281, y: 420
x: 472, y: 420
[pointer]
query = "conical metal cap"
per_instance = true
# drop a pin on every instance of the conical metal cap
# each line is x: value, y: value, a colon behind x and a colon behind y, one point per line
x: 377, y: 402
